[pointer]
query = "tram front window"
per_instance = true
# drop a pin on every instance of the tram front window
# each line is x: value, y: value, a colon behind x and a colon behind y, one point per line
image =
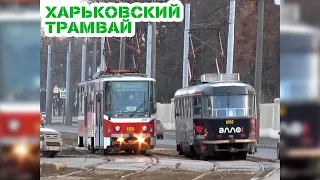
x: 130, y: 98
x: 229, y: 106
x: 19, y: 61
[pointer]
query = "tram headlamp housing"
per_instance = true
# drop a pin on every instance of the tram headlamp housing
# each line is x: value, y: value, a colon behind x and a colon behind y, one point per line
x: 14, y: 125
x: 144, y: 128
x: 117, y: 128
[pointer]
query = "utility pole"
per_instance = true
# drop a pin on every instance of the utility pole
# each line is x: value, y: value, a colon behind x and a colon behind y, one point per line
x: 68, y: 87
x: 84, y: 63
x: 258, y: 65
x: 230, y: 49
x: 102, y: 62
x: 49, y: 88
x: 186, y: 46
x: 154, y: 50
x: 94, y: 57
x: 122, y: 53
x: 149, y: 47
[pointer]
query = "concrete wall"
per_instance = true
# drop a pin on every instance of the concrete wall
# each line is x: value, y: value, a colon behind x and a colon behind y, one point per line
x: 269, y: 118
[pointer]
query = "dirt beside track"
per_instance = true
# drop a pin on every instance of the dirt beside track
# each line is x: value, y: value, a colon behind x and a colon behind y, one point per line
x: 48, y: 170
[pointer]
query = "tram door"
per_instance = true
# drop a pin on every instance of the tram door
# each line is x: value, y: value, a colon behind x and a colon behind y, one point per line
x: 85, y: 106
x: 99, y: 120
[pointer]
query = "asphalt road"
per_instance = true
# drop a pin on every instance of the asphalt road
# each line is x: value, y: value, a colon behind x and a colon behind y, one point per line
x: 169, y: 141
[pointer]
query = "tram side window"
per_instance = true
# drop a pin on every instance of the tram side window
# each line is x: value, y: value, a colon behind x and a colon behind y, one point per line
x: 79, y: 101
x: 252, y: 105
x: 89, y: 100
x: 176, y: 105
x: 184, y: 108
x: 108, y: 100
x: 197, y: 104
x: 190, y: 106
x: 153, y: 104
x: 92, y: 99
x: 187, y: 107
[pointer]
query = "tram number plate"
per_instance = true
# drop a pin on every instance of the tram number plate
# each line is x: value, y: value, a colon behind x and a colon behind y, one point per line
x: 54, y: 148
x: 229, y: 122
x: 130, y: 128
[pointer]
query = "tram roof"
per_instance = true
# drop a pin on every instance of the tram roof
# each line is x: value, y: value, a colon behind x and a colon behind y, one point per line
x: 218, y: 88
x: 117, y: 78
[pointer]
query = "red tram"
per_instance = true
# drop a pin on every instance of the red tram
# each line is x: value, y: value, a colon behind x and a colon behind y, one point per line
x: 19, y: 89
x: 117, y: 112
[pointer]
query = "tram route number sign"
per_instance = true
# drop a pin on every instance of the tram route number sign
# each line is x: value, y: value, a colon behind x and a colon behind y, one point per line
x: 131, y: 108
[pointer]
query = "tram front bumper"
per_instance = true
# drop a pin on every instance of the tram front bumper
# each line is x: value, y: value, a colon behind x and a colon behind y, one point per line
x: 132, y: 141
x: 233, y: 145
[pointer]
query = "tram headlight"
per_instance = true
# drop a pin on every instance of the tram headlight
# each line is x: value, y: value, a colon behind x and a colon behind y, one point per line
x: 117, y: 128
x: 140, y: 139
x: 144, y: 128
x: 14, y: 125
x: 120, y: 139
x: 21, y: 150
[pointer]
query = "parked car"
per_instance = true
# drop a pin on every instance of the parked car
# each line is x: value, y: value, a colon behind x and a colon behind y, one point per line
x: 160, y: 130
x: 43, y: 118
x: 50, y: 142
x: 278, y: 148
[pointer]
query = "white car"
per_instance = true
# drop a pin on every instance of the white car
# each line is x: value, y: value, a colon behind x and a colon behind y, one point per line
x: 50, y: 142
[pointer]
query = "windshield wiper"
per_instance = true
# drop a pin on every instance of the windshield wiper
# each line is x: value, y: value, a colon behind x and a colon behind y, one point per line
x: 138, y: 108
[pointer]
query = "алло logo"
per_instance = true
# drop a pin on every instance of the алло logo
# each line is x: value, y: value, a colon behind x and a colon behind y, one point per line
x: 230, y: 130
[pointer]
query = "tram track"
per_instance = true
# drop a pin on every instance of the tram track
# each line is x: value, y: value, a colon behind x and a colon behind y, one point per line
x: 216, y: 166
x: 153, y: 161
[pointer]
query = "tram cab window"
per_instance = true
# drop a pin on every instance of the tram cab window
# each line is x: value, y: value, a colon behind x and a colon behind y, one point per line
x: 208, y: 106
x: 230, y: 106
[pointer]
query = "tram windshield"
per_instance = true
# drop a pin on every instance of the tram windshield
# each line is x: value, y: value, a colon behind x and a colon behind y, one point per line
x: 229, y: 106
x: 130, y: 98
x: 19, y: 61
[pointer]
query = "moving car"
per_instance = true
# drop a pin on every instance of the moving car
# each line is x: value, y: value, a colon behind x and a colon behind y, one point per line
x: 43, y: 118
x: 50, y: 142
x: 160, y: 130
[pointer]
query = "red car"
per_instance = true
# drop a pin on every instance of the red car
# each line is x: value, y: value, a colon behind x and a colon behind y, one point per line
x: 160, y: 130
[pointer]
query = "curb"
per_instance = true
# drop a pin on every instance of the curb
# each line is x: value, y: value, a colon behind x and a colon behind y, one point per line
x: 267, y: 146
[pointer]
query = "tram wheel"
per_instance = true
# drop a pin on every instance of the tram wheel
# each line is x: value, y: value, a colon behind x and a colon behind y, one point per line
x: 92, y: 150
x: 105, y: 151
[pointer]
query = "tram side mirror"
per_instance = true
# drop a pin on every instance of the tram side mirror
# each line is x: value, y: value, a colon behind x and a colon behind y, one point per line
x: 99, y: 97
x: 279, y: 133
